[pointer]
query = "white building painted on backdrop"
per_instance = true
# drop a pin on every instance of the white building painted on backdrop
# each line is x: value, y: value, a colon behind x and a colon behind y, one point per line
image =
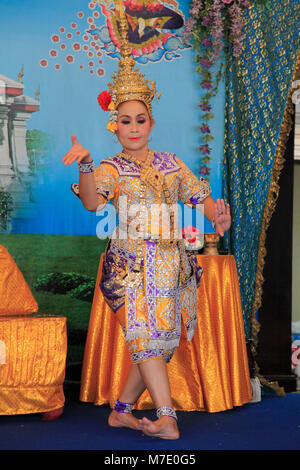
x: 15, y: 111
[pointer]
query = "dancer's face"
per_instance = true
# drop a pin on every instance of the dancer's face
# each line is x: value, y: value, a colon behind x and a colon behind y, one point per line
x: 134, y: 126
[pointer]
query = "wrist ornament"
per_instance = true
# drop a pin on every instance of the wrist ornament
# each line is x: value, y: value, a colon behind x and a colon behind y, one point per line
x: 86, y: 167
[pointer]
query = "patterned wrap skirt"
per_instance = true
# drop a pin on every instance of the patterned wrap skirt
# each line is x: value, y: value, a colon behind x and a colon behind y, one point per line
x: 151, y: 315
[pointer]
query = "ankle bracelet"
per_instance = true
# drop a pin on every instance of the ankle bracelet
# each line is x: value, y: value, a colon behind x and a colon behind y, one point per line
x: 166, y: 411
x: 123, y: 407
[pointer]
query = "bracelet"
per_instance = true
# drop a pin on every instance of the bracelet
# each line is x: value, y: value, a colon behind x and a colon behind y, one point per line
x: 121, y: 407
x: 213, y: 223
x: 86, y: 167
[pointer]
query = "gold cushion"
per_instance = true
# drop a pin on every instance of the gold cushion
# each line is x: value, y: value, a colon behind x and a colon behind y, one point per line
x: 16, y: 297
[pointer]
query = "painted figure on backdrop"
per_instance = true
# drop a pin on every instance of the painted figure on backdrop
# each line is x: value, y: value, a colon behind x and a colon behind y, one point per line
x: 150, y: 23
x: 148, y: 279
x: 155, y: 32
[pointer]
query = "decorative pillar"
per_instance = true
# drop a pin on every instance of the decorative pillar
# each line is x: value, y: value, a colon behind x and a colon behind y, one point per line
x: 6, y: 170
x: 18, y: 127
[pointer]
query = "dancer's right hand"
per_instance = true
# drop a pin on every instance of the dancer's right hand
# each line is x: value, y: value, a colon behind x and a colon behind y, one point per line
x: 76, y: 153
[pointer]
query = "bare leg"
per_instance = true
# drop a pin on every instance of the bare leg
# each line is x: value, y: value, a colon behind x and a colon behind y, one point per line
x: 155, y: 376
x: 132, y: 390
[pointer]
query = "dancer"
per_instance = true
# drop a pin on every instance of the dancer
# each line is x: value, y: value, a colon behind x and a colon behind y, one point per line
x: 148, y: 279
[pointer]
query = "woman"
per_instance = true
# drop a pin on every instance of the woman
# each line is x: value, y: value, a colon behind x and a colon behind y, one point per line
x: 147, y: 278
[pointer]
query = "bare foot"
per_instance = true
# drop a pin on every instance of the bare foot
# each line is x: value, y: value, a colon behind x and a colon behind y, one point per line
x: 164, y: 427
x: 123, y: 420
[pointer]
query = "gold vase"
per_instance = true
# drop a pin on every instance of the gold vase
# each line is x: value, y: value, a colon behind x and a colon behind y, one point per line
x: 210, y: 247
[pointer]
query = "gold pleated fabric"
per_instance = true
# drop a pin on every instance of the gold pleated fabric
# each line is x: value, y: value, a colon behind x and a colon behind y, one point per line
x: 15, y: 295
x: 32, y: 364
x: 209, y: 373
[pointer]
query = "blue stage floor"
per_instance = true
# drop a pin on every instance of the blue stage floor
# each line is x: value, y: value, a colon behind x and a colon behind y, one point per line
x: 272, y: 424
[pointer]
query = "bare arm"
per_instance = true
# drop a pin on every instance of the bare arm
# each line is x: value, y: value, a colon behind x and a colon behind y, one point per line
x: 87, y: 188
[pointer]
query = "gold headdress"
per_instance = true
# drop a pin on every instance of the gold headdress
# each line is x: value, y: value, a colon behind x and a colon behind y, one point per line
x: 127, y: 83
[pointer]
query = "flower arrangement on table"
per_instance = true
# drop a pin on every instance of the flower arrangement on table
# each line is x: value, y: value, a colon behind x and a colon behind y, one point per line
x: 214, y: 25
x: 192, y: 239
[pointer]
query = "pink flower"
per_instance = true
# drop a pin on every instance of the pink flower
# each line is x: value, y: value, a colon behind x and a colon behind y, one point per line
x: 189, y: 25
x: 205, y: 129
x: 204, y: 149
x: 205, y: 107
x: 205, y: 62
x: 194, y: 11
x: 236, y: 28
x: 227, y: 2
x: 206, y: 42
x: 55, y: 38
x: 207, y: 21
x: 206, y: 84
x: 204, y: 170
x: 190, y: 233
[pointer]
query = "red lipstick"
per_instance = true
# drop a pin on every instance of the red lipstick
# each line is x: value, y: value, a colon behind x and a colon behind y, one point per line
x: 134, y: 138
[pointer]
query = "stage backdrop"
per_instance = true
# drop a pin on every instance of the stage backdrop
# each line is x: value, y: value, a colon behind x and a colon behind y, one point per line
x: 56, y: 57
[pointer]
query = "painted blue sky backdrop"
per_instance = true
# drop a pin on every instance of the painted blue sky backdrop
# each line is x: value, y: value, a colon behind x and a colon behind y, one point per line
x: 68, y: 104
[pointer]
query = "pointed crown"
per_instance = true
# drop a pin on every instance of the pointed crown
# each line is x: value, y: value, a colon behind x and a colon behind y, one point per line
x: 129, y: 83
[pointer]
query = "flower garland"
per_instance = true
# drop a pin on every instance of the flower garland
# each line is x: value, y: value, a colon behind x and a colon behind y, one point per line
x: 214, y: 25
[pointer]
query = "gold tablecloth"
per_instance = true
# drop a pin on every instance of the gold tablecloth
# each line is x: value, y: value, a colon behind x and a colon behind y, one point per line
x: 209, y: 373
x: 16, y: 297
x: 32, y: 363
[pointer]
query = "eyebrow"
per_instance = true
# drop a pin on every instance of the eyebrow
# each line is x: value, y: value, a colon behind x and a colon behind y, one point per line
x: 127, y: 115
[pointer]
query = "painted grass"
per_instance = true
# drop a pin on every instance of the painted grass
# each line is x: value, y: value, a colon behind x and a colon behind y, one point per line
x: 37, y: 255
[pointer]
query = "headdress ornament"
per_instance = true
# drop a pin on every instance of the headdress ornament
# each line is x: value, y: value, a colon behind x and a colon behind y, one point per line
x: 127, y: 83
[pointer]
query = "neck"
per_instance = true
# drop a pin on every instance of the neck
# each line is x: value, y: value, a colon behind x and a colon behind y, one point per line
x: 140, y: 154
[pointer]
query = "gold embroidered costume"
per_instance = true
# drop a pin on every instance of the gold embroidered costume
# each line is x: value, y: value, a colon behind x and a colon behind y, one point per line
x: 147, y: 277
x: 149, y: 306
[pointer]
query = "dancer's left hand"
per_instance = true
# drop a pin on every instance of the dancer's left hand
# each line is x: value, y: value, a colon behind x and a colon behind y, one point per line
x: 222, y: 217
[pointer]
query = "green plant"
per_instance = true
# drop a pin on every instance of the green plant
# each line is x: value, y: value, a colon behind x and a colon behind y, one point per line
x: 6, y: 207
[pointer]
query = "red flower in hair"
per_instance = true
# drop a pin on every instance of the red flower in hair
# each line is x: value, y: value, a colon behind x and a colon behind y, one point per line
x: 104, y: 100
